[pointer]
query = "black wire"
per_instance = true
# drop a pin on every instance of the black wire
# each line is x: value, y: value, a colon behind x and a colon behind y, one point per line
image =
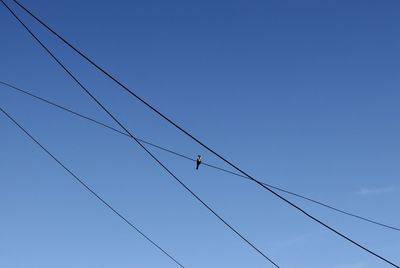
x: 309, y: 199
x: 91, y: 119
x: 139, y: 143
x: 203, y: 163
x: 207, y: 147
x: 88, y: 188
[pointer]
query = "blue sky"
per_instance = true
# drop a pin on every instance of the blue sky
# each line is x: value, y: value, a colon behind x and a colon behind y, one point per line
x: 301, y: 94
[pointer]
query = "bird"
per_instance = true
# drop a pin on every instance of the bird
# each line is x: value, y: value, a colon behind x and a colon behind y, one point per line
x: 198, y: 161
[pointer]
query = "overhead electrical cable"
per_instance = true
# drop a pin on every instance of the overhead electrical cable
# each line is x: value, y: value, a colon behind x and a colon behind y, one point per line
x: 203, y: 163
x: 140, y: 143
x: 82, y: 183
x: 8, y: 85
x: 364, y: 248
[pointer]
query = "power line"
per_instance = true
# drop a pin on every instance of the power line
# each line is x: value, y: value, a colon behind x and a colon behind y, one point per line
x: 92, y: 120
x: 138, y: 142
x: 90, y: 189
x: 203, y: 163
x: 267, y: 188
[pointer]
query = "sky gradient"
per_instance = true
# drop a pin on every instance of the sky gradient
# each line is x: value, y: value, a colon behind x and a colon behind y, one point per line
x: 301, y: 94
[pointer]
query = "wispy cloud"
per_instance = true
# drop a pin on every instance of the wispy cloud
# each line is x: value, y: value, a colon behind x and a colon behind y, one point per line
x: 377, y: 191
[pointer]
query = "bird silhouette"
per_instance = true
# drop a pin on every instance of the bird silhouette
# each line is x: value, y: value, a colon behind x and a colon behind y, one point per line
x: 198, y: 161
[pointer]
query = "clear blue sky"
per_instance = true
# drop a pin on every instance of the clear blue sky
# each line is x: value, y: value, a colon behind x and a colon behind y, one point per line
x: 302, y: 94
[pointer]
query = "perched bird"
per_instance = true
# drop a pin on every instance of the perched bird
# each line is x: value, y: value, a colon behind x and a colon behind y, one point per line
x: 198, y: 161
